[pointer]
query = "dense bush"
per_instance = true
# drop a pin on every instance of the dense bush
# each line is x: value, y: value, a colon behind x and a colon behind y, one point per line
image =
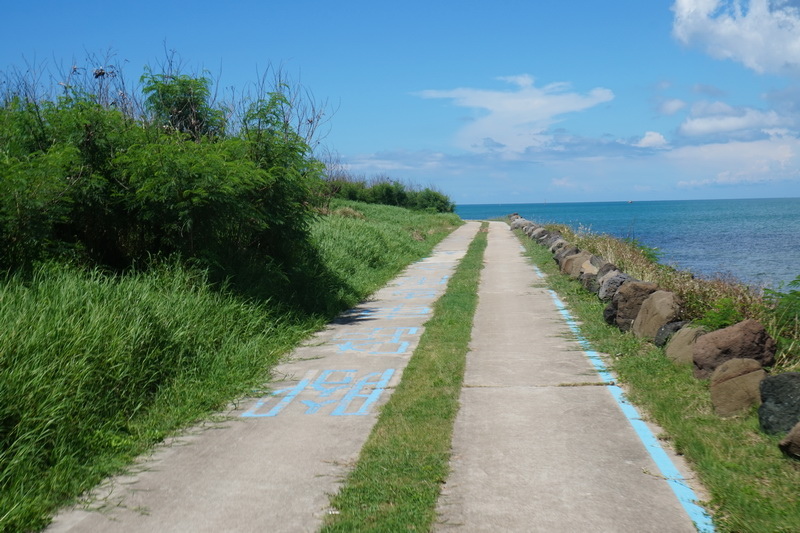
x: 99, y: 184
x: 390, y: 192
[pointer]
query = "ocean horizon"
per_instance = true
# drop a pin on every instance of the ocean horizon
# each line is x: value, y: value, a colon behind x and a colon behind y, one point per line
x: 756, y: 241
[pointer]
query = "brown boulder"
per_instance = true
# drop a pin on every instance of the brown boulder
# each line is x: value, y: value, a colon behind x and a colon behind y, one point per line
x: 571, y: 265
x: 745, y: 340
x: 791, y: 444
x: 680, y: 348
x: 658, y: 309
x: 735, y: 386
x: 628, y: 300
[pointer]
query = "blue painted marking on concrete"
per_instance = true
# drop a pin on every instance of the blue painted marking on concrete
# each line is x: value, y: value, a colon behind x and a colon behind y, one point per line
x: 410, y: 294
x: 331, y: 387
x: 376, y: 341
x: 358, y: 391
x: 684, y: 493
x: 399, y: 311
x: 290, y: 395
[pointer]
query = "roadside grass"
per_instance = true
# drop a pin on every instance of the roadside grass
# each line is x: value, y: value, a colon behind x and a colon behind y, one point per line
x: 396, y: 481
x: 751, y: 486
x: 96, y: 368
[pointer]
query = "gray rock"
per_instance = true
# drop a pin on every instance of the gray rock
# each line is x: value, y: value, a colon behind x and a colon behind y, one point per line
x: 680, y: 348
x: 610, y: 284
x: 557, y: 245
x: 572, y: 264
x: 746, y: 340
x: 517, y: 223
x: 538, y: 232
x: 780, y: 403
x: 628, y: 301
x: 565, y: 252
x: 666, y: 331
x: 658, y: 309
x: 735, y: 386
x: 550, y: 239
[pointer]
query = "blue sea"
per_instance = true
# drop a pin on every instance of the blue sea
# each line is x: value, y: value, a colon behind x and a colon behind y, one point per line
x: 757, y: 241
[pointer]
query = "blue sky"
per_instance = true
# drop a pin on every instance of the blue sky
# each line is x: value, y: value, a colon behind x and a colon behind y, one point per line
x: 491, y: 102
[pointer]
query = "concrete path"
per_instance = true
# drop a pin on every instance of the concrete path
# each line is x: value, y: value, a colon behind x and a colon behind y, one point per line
x: 272, y: 465
x: 540, y: 443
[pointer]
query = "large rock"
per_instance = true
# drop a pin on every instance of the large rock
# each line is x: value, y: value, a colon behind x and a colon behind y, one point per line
x: 666, y: 331
x: 780, y: 403
x: 791, y: 444
x: 626, y: 303
x: 746, y: 340
x: 571, y: 265
x: 658, y: 309
x: 610, y: 284
x: 538, y: 232
x: 680, y: 348
x: 565, y: 252
x: 735, y: 386
x: 518, y: 223
x: 557, y: 245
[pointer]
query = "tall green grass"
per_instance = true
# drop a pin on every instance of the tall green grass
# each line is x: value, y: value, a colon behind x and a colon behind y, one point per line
x: 95, y: 368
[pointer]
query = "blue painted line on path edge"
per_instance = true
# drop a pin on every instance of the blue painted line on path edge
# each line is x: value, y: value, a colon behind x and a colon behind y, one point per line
x: 684, y: 493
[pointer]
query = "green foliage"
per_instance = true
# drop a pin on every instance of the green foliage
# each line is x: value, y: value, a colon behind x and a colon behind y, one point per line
x: 96, y: 367
x: 783, y: 310
x: 88, y: 182
x: 722, y: 314
x: 84, y: 358
x: 650, y: 253
x: 391, y: 192
x: 181, y: 102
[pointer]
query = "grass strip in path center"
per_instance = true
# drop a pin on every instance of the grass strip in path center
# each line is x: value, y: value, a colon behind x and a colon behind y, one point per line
x: 396, y: 482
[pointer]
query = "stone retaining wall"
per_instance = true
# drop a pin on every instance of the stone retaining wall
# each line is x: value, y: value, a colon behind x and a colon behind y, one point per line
x: 733, y: 358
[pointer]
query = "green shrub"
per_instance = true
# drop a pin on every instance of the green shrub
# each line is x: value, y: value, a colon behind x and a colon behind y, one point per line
x: 723, y: 313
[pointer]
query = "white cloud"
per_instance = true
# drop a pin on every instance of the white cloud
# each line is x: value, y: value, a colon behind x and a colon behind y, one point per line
x: 763, y: 35
x: 731, y: 163
x: 720, y: 118
x: 652, y: 139
x: 670, y: 107
x: 516, y: 120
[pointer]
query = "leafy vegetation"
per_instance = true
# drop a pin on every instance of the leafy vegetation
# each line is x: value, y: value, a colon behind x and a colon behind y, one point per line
x: 751, y: 485
x: 96, y: 367
x: 386, y: 191
x: 159, y: 250
x: 396, y: 482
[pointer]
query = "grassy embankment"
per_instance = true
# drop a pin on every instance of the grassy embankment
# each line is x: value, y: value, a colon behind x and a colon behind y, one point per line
x: 396, y: 482
x: 95, y: 368
x: 752, y: 487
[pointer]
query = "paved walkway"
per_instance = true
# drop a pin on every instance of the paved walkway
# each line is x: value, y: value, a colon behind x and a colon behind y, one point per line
x: 540, y: 443
x: 273, y: 465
